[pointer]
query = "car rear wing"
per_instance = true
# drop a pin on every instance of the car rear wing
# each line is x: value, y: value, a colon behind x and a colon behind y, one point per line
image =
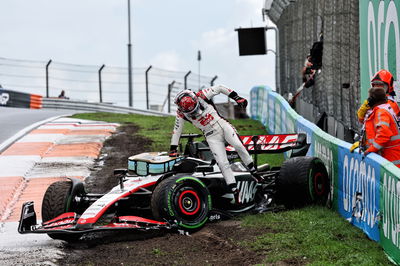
x: 276, y: 143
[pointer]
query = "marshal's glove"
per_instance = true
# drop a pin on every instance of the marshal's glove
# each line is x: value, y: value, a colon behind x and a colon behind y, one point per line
x: 173, y: 152
x: 363, y: 110
x: 354, y: 146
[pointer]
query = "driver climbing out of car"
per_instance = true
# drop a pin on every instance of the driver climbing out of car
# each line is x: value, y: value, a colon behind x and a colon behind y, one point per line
x: 199, y: 109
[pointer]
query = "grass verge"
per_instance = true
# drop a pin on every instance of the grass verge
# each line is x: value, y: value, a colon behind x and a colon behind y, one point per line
x: 313, y: 235
x: 159, y: 130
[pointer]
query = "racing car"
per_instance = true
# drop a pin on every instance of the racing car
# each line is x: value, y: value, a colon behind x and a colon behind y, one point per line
x: 185, y: 192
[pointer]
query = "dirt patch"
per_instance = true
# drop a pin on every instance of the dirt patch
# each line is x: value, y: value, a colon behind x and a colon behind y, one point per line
x: 215, y: 244
x: 114, y: 154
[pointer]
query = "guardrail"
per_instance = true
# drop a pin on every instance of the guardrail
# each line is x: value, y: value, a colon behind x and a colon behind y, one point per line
x: 365, y: 191
x: 55, y: 103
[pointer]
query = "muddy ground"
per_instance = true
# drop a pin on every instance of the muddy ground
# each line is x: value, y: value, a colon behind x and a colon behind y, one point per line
x: 215, y: 244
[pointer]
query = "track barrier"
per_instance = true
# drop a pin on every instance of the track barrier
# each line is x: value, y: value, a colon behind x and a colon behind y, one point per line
x: 365, y: 190
x: 19, y: 99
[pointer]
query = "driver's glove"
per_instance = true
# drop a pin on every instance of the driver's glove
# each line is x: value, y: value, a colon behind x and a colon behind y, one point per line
x: 254, y: 173
x: 242, y: 102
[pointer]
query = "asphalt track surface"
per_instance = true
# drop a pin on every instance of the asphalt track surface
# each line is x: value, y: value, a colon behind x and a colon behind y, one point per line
x: 13, y: 120
x: 16, y: 249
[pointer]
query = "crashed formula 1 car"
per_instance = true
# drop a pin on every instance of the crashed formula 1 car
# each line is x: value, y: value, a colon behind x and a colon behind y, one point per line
x: 160, y: 192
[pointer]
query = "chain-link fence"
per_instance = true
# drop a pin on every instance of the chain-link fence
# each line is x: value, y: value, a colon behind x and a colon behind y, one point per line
x: 108, y: 84
x: 301, y: 23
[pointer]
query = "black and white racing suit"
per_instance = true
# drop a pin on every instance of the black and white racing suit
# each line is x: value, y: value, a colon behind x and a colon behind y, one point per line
x: 215, y: 129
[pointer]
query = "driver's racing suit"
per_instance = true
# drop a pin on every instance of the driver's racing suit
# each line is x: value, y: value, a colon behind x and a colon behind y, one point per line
x: 216, y: 131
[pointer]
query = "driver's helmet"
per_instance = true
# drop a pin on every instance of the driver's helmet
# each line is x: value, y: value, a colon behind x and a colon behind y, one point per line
x: 382, y: 78
x: 187, y: 101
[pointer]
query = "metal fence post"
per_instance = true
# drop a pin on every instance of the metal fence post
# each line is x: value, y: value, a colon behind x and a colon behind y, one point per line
x: 100, y: 93
x: 212, y: 81
x: 147, y: 87
x: 187, y: 74
x: 130, y: 78
x: 170, y: 86
x: 47, y: 78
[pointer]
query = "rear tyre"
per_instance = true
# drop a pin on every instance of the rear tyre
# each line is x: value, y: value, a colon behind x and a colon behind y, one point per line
x: 56, y: 201
x: 302, y: 181
x: 182, y: 199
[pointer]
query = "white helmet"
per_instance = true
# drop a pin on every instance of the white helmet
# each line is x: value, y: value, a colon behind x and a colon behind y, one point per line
x: 187, y: 101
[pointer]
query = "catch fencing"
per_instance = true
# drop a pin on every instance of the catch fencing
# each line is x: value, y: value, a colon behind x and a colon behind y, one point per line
x: 103, y: 83
x: 337, y: 87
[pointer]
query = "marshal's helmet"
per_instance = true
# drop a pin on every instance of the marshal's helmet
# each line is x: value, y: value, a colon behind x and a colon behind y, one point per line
x: 382, y: 78
x: 187, y: 101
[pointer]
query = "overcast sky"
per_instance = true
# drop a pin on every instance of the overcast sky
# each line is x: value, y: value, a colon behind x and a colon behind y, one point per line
x: 165, y: 34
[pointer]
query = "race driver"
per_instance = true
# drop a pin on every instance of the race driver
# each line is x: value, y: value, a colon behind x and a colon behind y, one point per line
x: 198, y: 109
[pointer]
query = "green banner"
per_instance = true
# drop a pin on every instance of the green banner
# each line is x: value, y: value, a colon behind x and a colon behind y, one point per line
x: 326, y: 148
x: 379, y: 40
x: 390, y: 212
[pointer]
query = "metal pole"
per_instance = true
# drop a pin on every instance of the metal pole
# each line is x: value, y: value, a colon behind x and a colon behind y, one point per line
x: 130, y: 56
x: 277, y: 63
x: 199, y: 59
x: 47, y: 78
x: 147, y: 87
x: 170, y: 86
x: 212, y: 81
x: 187, y: 74
x: 100, y: 93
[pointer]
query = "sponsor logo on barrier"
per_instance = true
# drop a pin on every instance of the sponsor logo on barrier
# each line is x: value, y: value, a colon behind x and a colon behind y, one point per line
x: 4, y: 97
x: 391, y: 209
x: 379, y: 37
x: 326, y: 155
x: 278, y: 121
x: 358, y: 188
x: 271, y: 115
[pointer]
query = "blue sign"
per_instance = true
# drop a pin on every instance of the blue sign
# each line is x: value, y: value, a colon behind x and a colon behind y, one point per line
x: 358, y: 190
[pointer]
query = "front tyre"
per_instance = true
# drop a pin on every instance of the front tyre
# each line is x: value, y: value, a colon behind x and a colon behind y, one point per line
x: 57, y: 200
x: 303, y: 181
x: 182, y: 199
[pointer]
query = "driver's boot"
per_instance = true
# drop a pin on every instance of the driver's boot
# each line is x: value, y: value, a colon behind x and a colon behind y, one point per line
x: 254, y: 173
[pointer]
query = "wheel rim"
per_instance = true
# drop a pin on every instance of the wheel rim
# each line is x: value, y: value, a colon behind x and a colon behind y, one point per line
x: 319, y: 184
x: 189, y: 202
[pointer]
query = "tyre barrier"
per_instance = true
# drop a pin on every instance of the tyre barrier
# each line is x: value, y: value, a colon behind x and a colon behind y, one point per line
x: 365, y: 191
